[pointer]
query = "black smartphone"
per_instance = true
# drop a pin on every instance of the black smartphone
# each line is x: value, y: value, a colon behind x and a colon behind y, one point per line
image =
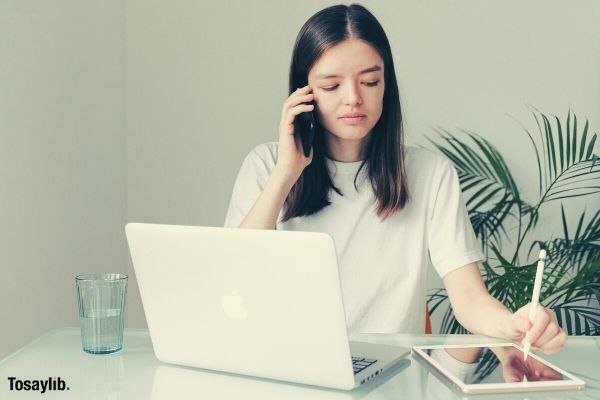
x: 305, y: 126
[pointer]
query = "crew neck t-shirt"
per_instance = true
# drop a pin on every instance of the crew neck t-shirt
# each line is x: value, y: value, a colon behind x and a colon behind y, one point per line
x: 383, y: 265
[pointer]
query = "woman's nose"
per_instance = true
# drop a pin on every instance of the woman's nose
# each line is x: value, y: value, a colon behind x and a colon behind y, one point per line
x: 352, y: 96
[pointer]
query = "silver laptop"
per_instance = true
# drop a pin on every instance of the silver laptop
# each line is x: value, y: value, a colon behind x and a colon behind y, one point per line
x: 264, y: 303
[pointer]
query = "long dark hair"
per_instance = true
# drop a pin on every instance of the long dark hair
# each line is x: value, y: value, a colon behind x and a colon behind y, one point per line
x: 384, y: 152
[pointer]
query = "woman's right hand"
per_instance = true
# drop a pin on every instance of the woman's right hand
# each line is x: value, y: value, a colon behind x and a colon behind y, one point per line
x: 290, y: 156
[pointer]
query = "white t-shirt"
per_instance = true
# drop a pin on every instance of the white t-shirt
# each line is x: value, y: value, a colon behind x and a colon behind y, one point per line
x: 382, y: 265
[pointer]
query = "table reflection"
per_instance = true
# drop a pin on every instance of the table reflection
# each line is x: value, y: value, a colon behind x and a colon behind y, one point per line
x: 176, y: 382
x: 494, y: 364
x: 516, y: 369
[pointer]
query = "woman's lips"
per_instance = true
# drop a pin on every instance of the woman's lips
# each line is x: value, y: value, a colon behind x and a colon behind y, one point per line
x: 353, y: 120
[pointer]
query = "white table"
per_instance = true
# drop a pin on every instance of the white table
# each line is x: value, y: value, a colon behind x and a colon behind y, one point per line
x: 134, y: 373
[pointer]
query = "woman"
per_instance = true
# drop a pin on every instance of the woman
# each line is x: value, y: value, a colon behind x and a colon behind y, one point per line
x: 390, y: 210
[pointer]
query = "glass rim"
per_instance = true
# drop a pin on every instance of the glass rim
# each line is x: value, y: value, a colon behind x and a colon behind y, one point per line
x: 101, y: 276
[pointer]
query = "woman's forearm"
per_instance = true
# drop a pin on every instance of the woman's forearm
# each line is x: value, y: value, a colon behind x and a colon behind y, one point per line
x: 483, y: 315
x: 265, y: 211
x: 473, y: 306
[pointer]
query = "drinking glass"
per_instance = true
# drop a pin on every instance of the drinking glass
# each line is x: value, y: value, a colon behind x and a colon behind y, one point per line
x: 101, y: 298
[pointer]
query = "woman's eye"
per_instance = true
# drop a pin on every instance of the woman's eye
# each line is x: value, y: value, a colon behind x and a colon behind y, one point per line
x: 370, y: 84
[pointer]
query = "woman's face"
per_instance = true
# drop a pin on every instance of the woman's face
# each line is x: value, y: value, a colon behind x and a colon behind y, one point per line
x: 348, y: 79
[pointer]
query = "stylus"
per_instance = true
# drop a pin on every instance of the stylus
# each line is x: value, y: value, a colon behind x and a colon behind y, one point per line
x: 535, y: 298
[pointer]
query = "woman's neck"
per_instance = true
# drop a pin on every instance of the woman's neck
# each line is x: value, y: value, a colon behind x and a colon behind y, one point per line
x: 345, y: 150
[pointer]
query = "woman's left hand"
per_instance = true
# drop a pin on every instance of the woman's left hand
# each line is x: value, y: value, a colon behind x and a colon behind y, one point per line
x: 544, y: 333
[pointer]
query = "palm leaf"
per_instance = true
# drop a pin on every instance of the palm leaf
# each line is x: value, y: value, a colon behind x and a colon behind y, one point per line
x: 486, y: 365
x: 565, y: 162
x: 436, y: 299
x: 511, y: 285
x: 574, y: 250
x: 575, y: 299
x: 578, y: 319
x: 485, y: 179
x: 567, y: 167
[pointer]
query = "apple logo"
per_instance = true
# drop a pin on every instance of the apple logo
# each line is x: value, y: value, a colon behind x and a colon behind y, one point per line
x: 233, y: 304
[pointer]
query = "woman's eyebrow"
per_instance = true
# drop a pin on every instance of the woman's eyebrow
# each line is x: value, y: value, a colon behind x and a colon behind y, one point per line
x: 364, y: 71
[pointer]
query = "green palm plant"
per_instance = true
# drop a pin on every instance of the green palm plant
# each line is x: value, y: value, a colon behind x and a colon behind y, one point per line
x: 567, y: 167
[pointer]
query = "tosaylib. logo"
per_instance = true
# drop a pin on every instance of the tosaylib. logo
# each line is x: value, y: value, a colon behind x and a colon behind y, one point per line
x: 37, y: 385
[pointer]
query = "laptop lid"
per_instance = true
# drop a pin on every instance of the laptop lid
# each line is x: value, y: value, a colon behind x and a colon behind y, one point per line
x: 258, y: 302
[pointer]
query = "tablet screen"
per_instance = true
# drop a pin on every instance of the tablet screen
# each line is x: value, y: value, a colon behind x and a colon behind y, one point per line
x: 494, y: 364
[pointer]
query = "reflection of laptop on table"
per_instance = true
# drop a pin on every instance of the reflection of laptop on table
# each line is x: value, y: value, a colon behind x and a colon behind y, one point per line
x: 181, y: 383
x: 255, y: 302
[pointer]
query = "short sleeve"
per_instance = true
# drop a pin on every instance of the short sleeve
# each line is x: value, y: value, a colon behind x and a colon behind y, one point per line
x: 451, y: 240
x: 249, y: 183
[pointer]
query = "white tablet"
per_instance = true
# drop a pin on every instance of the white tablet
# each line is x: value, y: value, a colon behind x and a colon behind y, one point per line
x: 495, y: 368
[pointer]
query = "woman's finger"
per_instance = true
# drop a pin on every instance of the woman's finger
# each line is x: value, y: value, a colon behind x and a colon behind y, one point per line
x: 302, y: 99
x: 517, y: 328
x: 552, y: 329
x: 301, y: 95
x: 542, y: 319
x: 291, y: 116
x: 555, y: 344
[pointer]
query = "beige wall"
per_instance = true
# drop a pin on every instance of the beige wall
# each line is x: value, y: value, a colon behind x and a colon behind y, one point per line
x: 206, y: 82
x: 143, y: 111
x: 62, y: 158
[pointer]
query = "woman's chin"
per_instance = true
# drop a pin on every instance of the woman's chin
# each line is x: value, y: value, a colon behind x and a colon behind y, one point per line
x: 351, y: 133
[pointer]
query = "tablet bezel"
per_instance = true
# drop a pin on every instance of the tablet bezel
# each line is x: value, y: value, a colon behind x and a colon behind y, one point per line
x: 572, y: 382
